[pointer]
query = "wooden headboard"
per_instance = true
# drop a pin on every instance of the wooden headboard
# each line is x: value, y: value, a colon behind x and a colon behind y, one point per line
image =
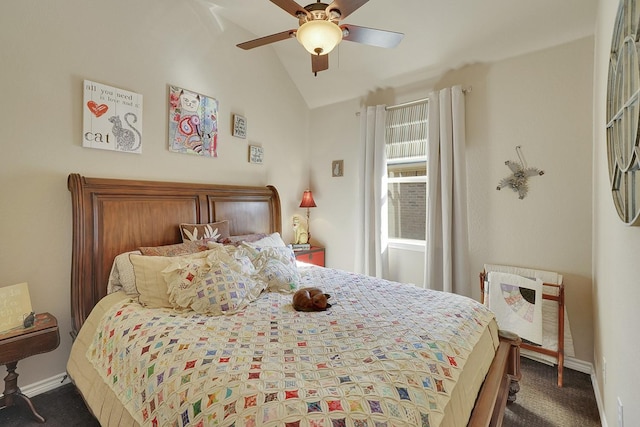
x: 111, y: 216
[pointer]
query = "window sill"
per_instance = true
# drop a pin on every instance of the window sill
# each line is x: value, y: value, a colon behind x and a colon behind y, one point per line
x: 408, y: 244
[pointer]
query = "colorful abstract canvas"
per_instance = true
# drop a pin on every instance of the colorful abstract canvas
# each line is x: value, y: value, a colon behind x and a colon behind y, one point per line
x: 193, y: 123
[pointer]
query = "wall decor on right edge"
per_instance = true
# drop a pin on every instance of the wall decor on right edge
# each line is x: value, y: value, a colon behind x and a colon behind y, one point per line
x: 337, y: 168
x: 256, y: 154
x: 239, y: 126
x: 623, y: 115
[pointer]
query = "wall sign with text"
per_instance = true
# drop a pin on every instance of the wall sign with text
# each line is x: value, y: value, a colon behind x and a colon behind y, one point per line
x: 112, y: 118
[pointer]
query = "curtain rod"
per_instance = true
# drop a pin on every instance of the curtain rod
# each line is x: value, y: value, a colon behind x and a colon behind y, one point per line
x: 407, y: 104
x: 418, y: 101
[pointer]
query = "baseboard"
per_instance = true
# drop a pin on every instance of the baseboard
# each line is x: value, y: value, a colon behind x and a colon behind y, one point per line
x: 578, y: 365
x: 45, y: 385
x: 596, y: 391
x: 569, y: 362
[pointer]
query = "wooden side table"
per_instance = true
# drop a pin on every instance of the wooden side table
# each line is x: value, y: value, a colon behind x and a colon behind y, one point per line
x: 315, y: 255
x: 19, y: 344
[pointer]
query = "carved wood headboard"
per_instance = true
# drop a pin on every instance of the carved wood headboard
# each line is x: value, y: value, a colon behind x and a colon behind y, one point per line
x: 111, y: 216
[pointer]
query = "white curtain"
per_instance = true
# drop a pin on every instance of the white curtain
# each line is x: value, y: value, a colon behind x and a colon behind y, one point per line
x: 372, y: 252
x: 447, y: 254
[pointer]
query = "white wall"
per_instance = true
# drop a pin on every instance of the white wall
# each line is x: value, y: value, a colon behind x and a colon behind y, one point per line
x: 541, y: 101
x: 47, y: 49
x: 616, y: 269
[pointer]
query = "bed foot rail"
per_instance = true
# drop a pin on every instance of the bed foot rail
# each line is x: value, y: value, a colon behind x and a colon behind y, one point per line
x: 500, y: 385
x: 513, y: 368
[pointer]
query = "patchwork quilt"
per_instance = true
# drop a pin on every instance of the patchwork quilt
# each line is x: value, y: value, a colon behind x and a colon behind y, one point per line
x: 384, y: 354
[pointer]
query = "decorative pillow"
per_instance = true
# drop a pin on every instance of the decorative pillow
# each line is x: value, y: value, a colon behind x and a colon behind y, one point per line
x: 237, y: 240
x: 213, y: 231
x: 150, y: 282
x: 242, y: 257
x: 277, y: 268
x: 216, y: 285
x: 122, y: 276
x: 175, y: 250
x: 272, y: 239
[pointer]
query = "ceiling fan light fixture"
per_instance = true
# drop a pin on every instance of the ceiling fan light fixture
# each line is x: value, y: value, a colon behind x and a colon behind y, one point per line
x: 319, y: 37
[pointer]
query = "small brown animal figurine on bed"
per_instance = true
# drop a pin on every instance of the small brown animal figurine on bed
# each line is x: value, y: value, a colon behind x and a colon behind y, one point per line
x: 310, y: 299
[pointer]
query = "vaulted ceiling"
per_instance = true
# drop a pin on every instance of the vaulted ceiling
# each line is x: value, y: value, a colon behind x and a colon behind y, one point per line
x: 439, y: 35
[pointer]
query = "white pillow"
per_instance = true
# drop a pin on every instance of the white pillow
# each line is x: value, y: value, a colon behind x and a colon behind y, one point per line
x: 277, y: 267
x: 273, y: 239
x: 122, y: 276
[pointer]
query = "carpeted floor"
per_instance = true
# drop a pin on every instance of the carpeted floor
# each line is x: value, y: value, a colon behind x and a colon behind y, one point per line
x: 539, y: 404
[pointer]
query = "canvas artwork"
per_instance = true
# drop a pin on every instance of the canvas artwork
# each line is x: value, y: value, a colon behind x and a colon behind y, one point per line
x: 337, y: 168
x: 112, y: 118
x: 256, y: 154
x: 239, y: 126
x: 193, y: 123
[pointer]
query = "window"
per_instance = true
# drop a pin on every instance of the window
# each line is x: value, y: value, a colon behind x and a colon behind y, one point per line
x: 406, y: 150
x: 407, y: 200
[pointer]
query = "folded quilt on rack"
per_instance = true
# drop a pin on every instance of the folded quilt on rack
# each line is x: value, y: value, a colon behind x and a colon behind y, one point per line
x: 517, y: 304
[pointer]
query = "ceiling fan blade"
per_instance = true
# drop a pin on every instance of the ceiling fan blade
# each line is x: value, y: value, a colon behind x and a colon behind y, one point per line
x: 291, y: 7
x: 319, y: 63
x: 267, y: 39
x: 371, y: 36
x: 346, y: 7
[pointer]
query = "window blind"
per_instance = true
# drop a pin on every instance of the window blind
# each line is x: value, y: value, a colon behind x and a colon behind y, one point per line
x: 406, y: 131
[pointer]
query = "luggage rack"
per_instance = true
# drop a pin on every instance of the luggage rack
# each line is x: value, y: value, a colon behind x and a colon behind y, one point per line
x: 558, y: 296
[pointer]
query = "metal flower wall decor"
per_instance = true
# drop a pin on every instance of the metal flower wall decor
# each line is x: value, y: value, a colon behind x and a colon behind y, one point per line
x: 517, y: 181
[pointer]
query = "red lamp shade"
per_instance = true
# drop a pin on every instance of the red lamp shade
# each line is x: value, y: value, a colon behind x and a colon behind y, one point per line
x: 307, y: 200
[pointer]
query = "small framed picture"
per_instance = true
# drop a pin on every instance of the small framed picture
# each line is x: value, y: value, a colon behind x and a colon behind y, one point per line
x: 256, y: 154
x: 337, y: 168
x: 239, y: 126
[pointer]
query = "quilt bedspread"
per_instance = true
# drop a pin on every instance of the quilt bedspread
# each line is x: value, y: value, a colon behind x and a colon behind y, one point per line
x: 385, y: 354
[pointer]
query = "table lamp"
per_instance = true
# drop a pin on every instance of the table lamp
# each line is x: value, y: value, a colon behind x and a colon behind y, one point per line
x: 308, y: 202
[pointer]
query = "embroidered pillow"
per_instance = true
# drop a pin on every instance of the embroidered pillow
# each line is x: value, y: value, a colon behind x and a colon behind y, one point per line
x: 150, y: 282
x: 277, y: 267
x: 242, y: 257
x: 215, y: 231
x: 216, y: 285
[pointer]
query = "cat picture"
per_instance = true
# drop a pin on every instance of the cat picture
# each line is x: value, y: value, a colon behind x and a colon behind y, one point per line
x: 125, y: 138
x: 193, y: 123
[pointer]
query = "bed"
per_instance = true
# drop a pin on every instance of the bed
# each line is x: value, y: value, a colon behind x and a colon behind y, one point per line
x: 378, y: 357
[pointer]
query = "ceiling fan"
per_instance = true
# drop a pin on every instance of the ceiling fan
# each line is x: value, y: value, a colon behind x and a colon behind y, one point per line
x: 319, y: 31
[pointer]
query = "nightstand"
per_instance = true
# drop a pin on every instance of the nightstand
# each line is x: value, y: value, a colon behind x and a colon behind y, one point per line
x: 315, y: 255
x: 21, y: 343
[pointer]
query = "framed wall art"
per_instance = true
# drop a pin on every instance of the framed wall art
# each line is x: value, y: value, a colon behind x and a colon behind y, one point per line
x: 111, y: 118
x: 623, y: 116
x: 256, y: 154
x: 193, y: 123
x: 239, y: 126
x: 337, y: 168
